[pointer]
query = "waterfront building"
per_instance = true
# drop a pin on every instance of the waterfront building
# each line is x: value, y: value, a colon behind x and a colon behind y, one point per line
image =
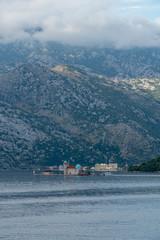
x: 60, y: 167
x: 71, y: 170
x: 113, y: 167
x: 74, y: 170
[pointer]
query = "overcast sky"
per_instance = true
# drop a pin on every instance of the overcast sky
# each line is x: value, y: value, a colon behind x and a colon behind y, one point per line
x: 118, y: 23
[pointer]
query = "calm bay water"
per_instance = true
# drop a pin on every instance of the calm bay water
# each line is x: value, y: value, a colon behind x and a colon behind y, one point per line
x: 114, y: 207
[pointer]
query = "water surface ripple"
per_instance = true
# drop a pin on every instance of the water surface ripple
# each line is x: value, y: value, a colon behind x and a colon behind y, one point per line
x: 113, y: 207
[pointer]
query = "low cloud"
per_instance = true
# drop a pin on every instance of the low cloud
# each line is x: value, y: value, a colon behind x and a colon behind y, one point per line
x: 83, y: 22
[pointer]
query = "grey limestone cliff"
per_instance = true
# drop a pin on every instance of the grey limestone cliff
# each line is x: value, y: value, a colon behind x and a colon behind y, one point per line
x: 67, y: 113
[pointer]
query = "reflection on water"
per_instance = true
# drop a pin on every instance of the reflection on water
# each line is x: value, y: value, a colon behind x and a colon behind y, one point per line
x: 118, y: 207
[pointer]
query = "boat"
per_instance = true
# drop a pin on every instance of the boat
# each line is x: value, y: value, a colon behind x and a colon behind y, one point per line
x: 83, y: 173
x: 47, y: 172
x: 106, y: 173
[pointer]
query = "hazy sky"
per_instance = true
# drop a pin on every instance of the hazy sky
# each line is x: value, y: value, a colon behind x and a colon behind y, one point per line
x: 119, y: 23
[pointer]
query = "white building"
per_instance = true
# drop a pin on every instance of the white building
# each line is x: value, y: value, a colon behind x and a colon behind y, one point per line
x: 113, y: 167
x: 71, y: 170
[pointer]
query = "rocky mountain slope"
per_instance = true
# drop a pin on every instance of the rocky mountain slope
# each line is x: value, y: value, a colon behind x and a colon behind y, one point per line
x: 121, y: 63
x: 69, y: 113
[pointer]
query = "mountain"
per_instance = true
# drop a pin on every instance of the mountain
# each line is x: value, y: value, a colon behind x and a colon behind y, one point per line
x: 120, y: 63
x: 66, y: 112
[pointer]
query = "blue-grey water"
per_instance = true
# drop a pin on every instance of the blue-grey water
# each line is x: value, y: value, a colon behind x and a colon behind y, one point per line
x: 115, y: 207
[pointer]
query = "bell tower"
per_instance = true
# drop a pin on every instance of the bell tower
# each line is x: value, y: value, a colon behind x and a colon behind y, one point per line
x: 65, y: 170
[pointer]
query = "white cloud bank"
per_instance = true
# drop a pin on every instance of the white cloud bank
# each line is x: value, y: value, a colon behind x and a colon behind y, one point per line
x: 78, y: 22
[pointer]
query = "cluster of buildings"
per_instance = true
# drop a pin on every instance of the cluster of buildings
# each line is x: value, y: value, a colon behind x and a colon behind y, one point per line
x: 78, y: 170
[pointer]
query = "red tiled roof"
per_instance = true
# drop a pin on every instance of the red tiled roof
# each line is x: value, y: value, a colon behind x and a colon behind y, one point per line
x: 71, y: 167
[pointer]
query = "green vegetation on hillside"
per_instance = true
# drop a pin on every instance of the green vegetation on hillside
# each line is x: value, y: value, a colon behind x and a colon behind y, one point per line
x: 69, y: 113
x: 150, y: 166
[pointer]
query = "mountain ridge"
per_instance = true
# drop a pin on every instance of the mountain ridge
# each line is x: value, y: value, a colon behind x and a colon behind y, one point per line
x: 77, y: 116
x: 120, y: 63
